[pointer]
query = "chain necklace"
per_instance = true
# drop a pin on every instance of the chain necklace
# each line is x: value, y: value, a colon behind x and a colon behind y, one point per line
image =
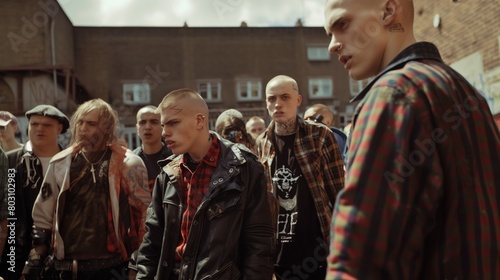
x: 92, y: 169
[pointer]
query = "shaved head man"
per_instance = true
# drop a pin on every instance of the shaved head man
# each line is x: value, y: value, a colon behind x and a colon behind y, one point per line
x: 212, y: 193
x: 152, y: 148
x: 185, y: 123
x: 368, y: 34
x: 304, y: 166
x: 424, y: 154
x: 313, y: 112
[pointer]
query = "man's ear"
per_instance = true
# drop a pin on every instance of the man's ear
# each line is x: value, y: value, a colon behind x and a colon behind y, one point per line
x: 200, y: 121
x: 391, y: 10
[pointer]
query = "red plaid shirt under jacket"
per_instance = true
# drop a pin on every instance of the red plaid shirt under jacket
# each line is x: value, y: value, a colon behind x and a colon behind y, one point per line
x: 194, y: 186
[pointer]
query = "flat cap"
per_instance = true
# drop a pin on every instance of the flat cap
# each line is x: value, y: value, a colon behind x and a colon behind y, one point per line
x: 51, y: 112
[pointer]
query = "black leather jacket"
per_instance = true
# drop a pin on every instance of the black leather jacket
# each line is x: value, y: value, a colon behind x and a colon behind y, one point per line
x: 232, y: 235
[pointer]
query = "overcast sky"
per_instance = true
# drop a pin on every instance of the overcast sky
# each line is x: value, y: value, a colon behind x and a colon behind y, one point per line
x: 197, y: 13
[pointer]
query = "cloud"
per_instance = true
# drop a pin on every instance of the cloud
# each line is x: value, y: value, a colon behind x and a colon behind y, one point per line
x: 204, y: 13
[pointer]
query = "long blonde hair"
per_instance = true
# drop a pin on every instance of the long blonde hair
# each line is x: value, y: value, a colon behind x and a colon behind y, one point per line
x: 108, y: 119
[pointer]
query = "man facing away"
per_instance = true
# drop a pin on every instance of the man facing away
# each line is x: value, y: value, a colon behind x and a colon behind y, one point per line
x: 210, y: 217
x: 422, y: 185
x: 91, y: 209
x: 304, y: 164
x: 320, y: 113
x: 28, y: 165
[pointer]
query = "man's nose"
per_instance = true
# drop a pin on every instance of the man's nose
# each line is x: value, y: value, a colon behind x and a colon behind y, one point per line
x: 334, y: 45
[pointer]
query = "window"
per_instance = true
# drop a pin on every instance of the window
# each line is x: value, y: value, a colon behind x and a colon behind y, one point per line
x: 318, y: 53
x: 320, y: 88
x: 249, y: 89
x: 357, y: 86
x: 210, y: 90
x: 136, y: 93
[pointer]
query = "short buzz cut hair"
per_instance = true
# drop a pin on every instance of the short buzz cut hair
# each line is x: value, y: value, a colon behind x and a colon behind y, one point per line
x: 176, y: 95
x: 146, y: 108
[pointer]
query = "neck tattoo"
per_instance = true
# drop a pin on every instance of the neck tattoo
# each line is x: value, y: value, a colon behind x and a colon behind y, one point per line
x: 92, y: 169
x: 286, y: 128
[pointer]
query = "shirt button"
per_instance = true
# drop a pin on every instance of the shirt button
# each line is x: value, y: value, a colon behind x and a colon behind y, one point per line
x: 195, y: 223
x: 220, y: 179
x: 212, y: 159
x: 231, y: 170
x: 164, y: 263
x: 186, y: 258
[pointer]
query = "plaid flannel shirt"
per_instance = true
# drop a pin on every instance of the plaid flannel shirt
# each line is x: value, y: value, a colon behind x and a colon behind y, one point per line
x: 194, y: 186
x: 320, y: 161
x: 422, y: 184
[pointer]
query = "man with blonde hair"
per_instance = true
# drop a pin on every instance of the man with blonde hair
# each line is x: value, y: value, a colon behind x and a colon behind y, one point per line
x: 91, y: 209
x: 210, y: 217
x: 422, y: 191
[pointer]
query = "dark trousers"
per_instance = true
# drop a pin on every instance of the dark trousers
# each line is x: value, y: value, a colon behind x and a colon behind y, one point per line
x: 119, y: 272
x: 295, y: 272
x: 11, y: 270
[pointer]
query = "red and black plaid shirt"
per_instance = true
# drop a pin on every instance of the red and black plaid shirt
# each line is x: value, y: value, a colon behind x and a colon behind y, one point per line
x: 194, y: 186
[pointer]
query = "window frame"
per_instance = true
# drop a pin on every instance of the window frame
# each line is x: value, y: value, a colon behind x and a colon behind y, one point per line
x: 209, y: 85
x: 249, y: 82
x: 138, y: 98
x: 322, y: 79
x: 318, y: 53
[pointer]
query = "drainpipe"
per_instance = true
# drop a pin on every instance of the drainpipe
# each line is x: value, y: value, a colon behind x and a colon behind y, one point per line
x: 53, y: 47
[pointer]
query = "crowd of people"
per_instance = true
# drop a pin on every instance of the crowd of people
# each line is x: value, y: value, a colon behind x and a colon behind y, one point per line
x: 409, y: 191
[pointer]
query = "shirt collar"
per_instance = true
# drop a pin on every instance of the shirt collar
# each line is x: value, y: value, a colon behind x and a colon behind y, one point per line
x: 417, y: 51
x: 212, y: 155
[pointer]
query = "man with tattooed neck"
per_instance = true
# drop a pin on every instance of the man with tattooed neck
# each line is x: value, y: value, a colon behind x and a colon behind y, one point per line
x: 91, y: 209
x: 304, y: 165
x: 422, y: 192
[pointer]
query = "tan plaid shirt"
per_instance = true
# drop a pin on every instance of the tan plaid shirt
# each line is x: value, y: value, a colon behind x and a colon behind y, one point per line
x: 320, y: 161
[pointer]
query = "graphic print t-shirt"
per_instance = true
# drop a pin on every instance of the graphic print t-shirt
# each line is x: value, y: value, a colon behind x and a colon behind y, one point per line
x: 298, y: 226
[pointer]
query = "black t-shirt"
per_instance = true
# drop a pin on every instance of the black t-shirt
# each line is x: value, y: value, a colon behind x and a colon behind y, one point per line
x: 151, y: 163
x: 84, y: 221
x: 299, y: 233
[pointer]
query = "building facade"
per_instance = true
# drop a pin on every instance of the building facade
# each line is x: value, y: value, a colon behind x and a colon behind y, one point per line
x: 135, y: 66
x: 45, y: 59
x: 467, y: 34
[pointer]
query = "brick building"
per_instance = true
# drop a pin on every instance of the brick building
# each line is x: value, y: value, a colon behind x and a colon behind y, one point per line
x: 467, y: 33
x: 134, y: 66
x: 228, y: 66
